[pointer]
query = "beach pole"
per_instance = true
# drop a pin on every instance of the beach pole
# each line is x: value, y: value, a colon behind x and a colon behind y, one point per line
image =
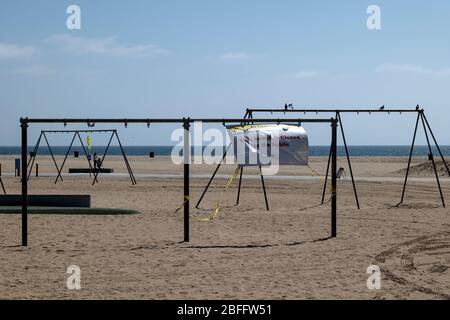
x: 338, y: 117
x: 434, y: 164
x: 333, y: 177
x: 409, y: 159
x: 24, y: 125
x: 186, y: 156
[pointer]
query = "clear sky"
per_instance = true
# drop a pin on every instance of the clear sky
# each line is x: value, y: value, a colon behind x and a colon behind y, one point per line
x: 214, y: 58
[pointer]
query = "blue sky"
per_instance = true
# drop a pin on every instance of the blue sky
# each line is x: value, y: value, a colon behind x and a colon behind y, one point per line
x: 214, y: 58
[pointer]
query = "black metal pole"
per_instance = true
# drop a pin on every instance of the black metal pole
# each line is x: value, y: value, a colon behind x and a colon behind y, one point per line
x: 434, y: 165
x: 264, y: 188
x: 24, y: 125
x: 435, y: 142
x: 3, y: 186
x: 409, y: 159
x: 127, y: 164
x: 97, y: 171
x: 245, y: 115
x: 35, y: 148
x: 187, y: 159
x: 52, y: 155
x: 130, y: 172
x: 85, y: 153
x: 333, y: 178
x: 326, y: 175
x: 1, y: 181
x: 212, y: 177
x: 240, y: 183
x: 65, y: 158
x: 338, y: 117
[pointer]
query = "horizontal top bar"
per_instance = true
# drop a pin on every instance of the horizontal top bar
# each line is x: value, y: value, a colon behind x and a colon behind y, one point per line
x: 74, y: 131
x: 335, y: 110
x: 176, y: 120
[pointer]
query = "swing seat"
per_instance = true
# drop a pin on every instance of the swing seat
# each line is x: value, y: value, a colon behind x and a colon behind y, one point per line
x: 88, y: 170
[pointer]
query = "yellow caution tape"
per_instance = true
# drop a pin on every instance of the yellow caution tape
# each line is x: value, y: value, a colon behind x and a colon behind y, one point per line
x: 186, y: 199
x: 332, y: 189
x: 217, y: 209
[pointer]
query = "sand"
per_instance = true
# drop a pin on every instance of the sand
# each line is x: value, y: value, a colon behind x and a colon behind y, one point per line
x: 246, y: 252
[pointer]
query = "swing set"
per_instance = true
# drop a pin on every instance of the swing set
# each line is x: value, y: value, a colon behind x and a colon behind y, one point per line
x: 186, y: 123
x: 76, y: 134
x: 420, y: 118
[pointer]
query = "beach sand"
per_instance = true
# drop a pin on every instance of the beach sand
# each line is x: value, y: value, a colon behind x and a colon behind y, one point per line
x: 246, y: 252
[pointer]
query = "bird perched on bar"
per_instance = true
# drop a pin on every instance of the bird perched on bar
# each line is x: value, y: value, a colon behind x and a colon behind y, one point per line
x: 417, y: 107
x: 382, y: 107
x: 288, y: 106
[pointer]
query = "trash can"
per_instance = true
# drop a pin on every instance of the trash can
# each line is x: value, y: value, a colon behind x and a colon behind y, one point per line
x: 76, y: 154
x: 151, y: 154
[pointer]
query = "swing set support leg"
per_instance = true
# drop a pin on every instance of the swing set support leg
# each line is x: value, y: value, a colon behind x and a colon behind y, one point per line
x: 130, y: 171
x: 326, y: 176
x: 240, y: 183
x: 434, y: 164
x: 52, y: 155
x: 33, y: 157
x: 338, y: 117
x: 65, y: 158
x: 103, y: 158
x: 435, y: 142
x: 212, y: 178
x: 264, y: 188
x: 409, y: 159
x: 3, y: 186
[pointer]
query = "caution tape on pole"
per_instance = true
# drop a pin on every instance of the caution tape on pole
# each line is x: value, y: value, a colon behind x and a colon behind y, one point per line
x: 186, y: 199
x: 332, y: 189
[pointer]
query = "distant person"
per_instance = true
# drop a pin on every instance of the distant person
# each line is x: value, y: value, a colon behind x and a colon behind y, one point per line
x: 95, y: 160
x: 99, y: 164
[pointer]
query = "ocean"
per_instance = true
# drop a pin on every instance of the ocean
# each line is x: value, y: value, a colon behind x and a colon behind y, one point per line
x: 355, y: 151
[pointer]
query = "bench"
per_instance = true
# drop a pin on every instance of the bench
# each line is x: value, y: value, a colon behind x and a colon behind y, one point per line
x: 88, y: 170
x: 56, y: 200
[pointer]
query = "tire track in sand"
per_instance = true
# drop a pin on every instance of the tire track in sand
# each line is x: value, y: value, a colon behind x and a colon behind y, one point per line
x: 430, y: 275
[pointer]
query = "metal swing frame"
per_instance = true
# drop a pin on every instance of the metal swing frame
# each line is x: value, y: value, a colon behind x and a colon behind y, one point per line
x: 186, y: 122
x: 76, y: 133
x: 338, y: 111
